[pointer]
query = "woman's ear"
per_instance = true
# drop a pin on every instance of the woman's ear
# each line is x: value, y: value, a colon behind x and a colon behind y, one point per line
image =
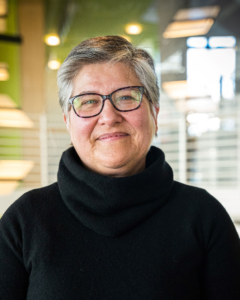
x: 66, y: 121
x: 156, y: 108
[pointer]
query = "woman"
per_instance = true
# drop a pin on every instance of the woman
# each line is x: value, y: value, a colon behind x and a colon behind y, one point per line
x: 116, y: 225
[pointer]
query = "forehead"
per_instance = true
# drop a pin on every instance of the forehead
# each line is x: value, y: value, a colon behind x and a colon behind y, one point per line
x: 104, y: 78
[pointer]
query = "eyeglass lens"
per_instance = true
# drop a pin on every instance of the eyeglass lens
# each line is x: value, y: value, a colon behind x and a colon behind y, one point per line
x: 90, y: 104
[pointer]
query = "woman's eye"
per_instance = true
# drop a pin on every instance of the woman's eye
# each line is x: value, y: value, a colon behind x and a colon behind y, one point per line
x: 90, y: 102
x: 126, y: 98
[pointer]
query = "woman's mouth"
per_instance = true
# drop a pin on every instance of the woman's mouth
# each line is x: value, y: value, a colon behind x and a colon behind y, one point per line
x: 112, y: 136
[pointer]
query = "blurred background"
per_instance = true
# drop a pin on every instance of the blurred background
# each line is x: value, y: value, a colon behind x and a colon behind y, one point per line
x: 196, y: 48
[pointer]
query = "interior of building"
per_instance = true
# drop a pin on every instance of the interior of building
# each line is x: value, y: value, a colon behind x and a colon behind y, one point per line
x: 195, y: 45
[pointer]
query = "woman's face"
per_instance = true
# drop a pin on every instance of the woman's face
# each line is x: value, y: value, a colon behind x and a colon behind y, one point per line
x: 113, y: 143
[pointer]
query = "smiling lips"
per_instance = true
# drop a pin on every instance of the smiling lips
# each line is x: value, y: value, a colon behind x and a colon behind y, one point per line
x: 112, y: 136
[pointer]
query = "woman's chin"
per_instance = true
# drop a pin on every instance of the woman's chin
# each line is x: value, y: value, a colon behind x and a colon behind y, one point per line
x: 117, y: 166
x: 110, y: 166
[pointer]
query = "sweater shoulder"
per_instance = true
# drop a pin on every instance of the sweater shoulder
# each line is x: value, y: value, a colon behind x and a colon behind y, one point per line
x: 204, y: 214
x: 33, y: 202
x: 194, y: 195
x: 199, y: 204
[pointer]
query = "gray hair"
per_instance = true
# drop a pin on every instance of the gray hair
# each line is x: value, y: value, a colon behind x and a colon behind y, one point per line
x: 107, y: 49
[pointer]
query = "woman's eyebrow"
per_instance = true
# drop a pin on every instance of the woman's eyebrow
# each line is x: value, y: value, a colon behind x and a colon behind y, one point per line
x: 89, y: 91
x: 96, y: 92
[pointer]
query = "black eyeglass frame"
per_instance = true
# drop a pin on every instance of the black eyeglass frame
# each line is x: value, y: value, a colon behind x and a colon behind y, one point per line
x: 105, y: 97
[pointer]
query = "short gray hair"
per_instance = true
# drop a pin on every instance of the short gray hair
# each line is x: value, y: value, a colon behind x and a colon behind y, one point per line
x: 107, y: 49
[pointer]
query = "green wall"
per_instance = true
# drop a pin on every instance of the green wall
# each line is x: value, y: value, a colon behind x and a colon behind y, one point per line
x: 9, y: 53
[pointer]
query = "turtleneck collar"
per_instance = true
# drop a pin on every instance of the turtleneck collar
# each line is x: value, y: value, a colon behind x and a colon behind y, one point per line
x: 111, y: 206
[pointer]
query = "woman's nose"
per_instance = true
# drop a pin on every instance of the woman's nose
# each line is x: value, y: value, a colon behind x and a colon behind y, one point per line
x: 109, y: 115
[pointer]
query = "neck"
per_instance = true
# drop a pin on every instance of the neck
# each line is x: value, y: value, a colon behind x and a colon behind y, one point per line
x: 112, y: 206
x: 118, y: 171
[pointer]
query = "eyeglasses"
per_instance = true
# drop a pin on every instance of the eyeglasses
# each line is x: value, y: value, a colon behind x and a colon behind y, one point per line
x: 90, y: 104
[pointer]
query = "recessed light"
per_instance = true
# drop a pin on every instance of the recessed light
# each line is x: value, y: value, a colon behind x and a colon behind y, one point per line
x: 52, y: 40
x: 3, y: 8
x: 197, y: 42
x: 54, y: 64
x: 222, y: 42
x: 15, y: 169
x: 183, y: 90
x: 4, y: 74
x: 6, y: 101
x: 133, y: 29
x: 197, y: 13
x: 187, y: 28
x: 14, y: 118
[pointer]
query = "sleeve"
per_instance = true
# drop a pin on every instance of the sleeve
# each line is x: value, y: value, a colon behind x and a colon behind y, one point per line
x: 221, y: 268
x: 13, y: 275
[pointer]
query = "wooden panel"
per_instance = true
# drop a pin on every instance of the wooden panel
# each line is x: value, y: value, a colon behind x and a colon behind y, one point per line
x: 31, y: 19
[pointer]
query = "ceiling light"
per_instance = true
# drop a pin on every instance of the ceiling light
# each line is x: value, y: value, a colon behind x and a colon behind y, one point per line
x: 175, y: 89
x: 52, y: 40
x: 197, y: 13
x: 3, y: 8
x: 133, y: 29
x: 197, y: 42
x: 15, y: 169
x: 4, y: 75
x: 183, y: 90
x: 54, y: 64
x: 222, y: 42
x: 6, y: 101
x: 14, y: 118
x: 7, y: 187
x: 187, y: 28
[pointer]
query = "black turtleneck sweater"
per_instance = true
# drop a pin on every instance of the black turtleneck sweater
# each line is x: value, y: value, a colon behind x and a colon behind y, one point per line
x: 143, y: 237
